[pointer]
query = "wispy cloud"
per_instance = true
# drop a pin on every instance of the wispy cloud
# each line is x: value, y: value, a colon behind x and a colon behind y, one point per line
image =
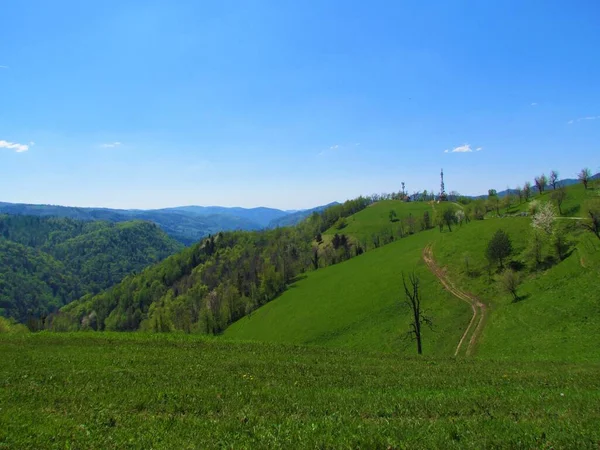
x: 465, y: 148
x: 572, y: 121
x: 332, y: 148
x: 534, y: 104
x: 111, y: 145
x: 19, y: 148
x: 3, y: 67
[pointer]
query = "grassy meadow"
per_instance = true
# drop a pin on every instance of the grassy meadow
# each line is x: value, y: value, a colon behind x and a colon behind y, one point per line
x: 137, y: 391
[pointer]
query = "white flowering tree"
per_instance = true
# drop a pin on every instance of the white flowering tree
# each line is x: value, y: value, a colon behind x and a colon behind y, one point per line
x: 544, y: 217
x: 460, y: 216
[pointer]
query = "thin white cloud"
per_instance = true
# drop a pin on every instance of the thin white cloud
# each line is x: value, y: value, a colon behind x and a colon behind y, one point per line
x: 19, y: 148
x: 465, y: 148
x: 583, y: 118
x: 357, y: 144
x: 334, y: 147
x: 111, y: 145
x: 534, y: 104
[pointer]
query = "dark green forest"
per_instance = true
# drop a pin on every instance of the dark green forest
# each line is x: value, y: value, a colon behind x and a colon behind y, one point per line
x: 209, y: 285
x: 47, y: 262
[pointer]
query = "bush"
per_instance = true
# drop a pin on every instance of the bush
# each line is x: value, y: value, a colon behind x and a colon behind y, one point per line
x: 9, y: 326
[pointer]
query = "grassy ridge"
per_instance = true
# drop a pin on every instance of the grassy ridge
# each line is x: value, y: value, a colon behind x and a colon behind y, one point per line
x: 375, y: 218
x: 109, y: 390
x: 359, y: 304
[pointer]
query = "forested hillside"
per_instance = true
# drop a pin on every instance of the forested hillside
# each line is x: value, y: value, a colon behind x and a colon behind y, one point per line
x: 215, y: 282
x: 48, y: 262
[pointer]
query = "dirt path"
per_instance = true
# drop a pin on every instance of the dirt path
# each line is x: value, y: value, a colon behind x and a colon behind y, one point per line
x: 475, y: 326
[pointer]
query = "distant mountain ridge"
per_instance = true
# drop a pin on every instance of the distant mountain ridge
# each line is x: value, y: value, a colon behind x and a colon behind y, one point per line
x: 186, y: 224
x: 295, y: 217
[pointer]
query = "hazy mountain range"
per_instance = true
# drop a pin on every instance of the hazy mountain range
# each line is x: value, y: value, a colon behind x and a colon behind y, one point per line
x: 187, y: 224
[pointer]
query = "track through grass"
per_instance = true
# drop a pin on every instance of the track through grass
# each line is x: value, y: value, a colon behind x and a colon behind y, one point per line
x: 479, y: 308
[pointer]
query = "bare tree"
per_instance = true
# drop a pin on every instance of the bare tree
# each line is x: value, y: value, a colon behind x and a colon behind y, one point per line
x: 553, y: 179
x: 527, y: 190
x: 584, y: 176
x: 413, y: 300
x: 559, y: 196
x: 510, y: 282
x: 592, y: 209
x: 507, y: 201
x: 519, y: 193
x: 541, y: 182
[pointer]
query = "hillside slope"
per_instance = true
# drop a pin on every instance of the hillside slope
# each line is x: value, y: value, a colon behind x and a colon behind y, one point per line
x: 556, y: 315
x: 360, y: 303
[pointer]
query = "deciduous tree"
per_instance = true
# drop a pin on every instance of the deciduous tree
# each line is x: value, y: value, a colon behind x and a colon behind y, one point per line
x: 544, y: 217
x: 541, y: 182
x: 592, y: 211
x: 584, y: 176
x: 499, y: 248
x: 553, y: 179
x: 559, y: 196
x: 449, y: 218
x: 527, y: 190
x: 510, y: 281
x: 519, y: 193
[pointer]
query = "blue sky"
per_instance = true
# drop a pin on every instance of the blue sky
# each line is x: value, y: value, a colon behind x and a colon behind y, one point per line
x: 291, y: 104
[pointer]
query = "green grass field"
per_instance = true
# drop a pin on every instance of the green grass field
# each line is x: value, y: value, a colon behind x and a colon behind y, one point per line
x: 103, y: 390
x: 360, y: 304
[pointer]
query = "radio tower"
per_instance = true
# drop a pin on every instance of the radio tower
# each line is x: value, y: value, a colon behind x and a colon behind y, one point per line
x: 443, y: 196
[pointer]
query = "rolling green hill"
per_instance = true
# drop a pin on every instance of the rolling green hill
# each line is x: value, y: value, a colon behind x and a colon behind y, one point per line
x: 375, y: 220
x: 360, y: 304
x: 48, y: 262
x: 357, y: 303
